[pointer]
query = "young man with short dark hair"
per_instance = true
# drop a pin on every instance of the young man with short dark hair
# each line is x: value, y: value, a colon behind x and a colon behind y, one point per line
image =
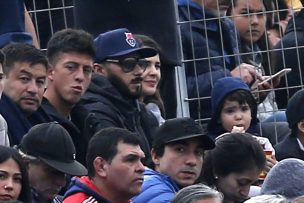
x: 70, y: 53
x: 177, y: 154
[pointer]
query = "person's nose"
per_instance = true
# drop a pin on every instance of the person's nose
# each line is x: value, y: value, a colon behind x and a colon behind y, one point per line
x: 152, y: 70
x: 238, y: 115
x: 245, y: 191
x: 192, y: 159
x: 254, y: 19
x: 140, y: 167
x: 79, y: 76
x: 138, y: 70
x: 32, y: 87
x: 9, y: 184
x: 60, y: 180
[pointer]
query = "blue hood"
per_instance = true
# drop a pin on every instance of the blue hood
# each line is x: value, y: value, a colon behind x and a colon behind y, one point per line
x: 222, y: 87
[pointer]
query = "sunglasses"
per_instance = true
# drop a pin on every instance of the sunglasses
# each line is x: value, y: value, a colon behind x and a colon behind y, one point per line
x: 129, y: 64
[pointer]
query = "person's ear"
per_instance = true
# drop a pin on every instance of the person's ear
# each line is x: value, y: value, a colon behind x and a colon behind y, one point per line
x: 100, y: 166
x: 155, y: 157
x: 100, y: 69
x: 26, y: 162
x: 50, y: 72
x: 301, y: 126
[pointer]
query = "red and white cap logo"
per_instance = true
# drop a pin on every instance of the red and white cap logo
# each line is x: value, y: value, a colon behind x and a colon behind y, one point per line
x: 130, y: 39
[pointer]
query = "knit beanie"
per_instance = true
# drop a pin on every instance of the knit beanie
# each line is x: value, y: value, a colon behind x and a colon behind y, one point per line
x: 295, y: 109
x: 285, y: 178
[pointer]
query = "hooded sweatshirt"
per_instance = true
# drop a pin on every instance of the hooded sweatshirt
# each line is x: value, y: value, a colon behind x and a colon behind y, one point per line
x: 221, y: 89
x: 84, y: 190
x: 157, y: 188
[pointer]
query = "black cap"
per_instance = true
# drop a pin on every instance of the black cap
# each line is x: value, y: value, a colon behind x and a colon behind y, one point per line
x: 180, y: 129
x: 51, y: 143
x: 295, y: 109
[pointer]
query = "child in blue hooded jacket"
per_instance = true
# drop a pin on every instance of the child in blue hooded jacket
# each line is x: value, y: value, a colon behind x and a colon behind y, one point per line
x: 234, y: 109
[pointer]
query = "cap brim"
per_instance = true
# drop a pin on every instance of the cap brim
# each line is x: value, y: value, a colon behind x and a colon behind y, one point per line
x: 207, y: 142
x: 73, y: 168
x: 143, y: 52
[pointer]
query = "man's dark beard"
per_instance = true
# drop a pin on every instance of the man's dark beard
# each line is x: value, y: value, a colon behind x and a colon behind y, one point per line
x: 123, y: 88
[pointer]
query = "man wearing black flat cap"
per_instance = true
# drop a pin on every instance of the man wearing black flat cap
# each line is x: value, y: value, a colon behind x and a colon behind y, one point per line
x: 49, y: 153
x: 112, y: 97
x: 177, y: 154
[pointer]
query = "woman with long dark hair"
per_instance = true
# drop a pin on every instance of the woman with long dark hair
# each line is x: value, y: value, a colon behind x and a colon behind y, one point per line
x: 14, y: 181
x: 233, y: 165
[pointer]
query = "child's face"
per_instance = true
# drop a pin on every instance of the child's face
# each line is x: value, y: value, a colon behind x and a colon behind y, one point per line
x: 234, y: 114
x: 1, y: 80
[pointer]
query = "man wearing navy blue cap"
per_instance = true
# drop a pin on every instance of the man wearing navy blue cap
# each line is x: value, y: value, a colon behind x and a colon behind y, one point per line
x: 116, y: 85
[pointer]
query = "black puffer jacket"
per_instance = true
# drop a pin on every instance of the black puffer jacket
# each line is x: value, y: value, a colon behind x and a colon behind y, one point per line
x: 108, y: 108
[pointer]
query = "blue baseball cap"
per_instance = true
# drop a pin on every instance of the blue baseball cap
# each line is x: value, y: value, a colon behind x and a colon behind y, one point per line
x: 15, y: 37
x: 119, y: 42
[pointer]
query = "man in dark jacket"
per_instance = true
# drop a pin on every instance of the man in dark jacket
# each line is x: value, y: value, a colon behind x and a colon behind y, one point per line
x: 70, y: 53
x: 115, y: 170
x: 49, y: 154
x: 293, y: 145
x: 25, y: 72
x: 290, y: 54
x: 213, y: 44
x: 112, y: 97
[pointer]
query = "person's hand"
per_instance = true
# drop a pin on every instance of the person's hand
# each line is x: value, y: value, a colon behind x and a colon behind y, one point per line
x: 270, y: 162
x: 261, y: 91
x: 246, y: 72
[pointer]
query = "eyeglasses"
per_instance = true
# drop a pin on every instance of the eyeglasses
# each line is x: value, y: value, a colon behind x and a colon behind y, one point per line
x: 129, y: 64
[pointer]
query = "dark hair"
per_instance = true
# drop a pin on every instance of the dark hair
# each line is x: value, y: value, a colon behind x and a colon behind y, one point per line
x: 242, y: 97
x: 266, y: 3
x: 159, y: 151
x: 2, y: 57
x: 104, y: 144
x: 11, y: 153
x: 70, y: 40
x: 233, y: 153
x: 146, y: 41
x: 18, y: 52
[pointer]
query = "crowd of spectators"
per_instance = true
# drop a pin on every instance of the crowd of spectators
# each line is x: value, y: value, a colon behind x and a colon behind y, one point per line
x: 85, y: 121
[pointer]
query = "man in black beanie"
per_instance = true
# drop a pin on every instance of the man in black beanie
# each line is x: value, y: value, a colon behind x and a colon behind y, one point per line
x: 293, y: 145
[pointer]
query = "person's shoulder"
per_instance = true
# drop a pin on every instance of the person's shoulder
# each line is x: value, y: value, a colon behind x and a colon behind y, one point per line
x: 78, y: 198
x: 158, y: 183
x: 288, y: 144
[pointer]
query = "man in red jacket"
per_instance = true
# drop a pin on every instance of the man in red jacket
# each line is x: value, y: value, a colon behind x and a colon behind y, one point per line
x: 115, y: 170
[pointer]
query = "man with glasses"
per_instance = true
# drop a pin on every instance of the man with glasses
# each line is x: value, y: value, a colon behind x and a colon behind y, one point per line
x: 112, y: 97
